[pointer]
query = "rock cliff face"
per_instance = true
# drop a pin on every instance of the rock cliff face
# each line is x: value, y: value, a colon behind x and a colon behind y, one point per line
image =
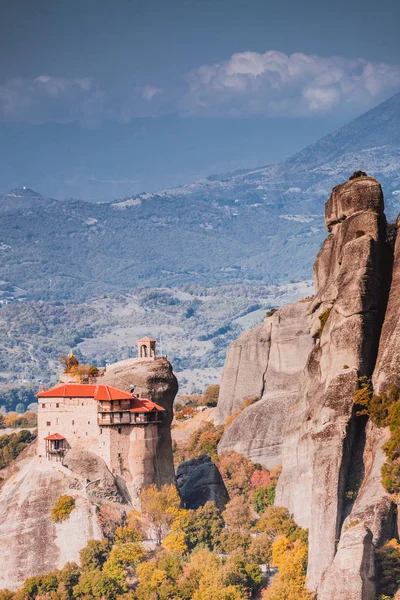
x: 387, y: 369
x: 156, y: 380
x: 31, y: 543
x: 265, y: 362
x: 324, y: 440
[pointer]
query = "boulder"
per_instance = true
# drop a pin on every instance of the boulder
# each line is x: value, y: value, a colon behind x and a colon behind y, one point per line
x: 199, y: 481
x: 265, y: 362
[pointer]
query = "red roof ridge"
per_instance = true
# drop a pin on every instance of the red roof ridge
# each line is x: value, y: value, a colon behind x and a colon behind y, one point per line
x: 85, y: 390
x: 55, y: 436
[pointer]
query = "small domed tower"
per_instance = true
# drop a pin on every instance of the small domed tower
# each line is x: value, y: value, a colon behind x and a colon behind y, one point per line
x: 147, y: 348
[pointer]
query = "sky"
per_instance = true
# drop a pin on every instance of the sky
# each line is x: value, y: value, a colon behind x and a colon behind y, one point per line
x: 102, y: 100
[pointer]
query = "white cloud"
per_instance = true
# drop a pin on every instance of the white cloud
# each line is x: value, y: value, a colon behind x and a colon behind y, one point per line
x: 248, y: 84
x: 275, y: 84
x: 59, y: 99
x: 149, y: 92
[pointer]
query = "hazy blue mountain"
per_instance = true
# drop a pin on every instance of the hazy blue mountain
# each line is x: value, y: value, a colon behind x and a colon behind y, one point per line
x: 262, y: 225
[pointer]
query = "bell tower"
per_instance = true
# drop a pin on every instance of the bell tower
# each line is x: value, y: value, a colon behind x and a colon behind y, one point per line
x: 146, y: 348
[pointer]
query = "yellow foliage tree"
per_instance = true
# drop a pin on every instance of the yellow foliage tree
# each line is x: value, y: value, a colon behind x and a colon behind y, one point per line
x: 291, y: 560
x: 175, y: 542
x: 159, y: 507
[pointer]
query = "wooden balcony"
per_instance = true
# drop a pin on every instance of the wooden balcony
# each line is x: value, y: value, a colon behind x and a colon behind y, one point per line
x: 105, y: 418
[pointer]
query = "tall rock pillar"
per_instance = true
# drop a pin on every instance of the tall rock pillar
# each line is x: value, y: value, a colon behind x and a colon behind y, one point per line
x: 346, y: 316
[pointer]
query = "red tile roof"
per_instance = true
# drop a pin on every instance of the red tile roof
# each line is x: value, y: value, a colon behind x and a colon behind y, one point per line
x: 85, y: 390
x: 147, y: 339
x: 144, y: 405
x: 55, y: 436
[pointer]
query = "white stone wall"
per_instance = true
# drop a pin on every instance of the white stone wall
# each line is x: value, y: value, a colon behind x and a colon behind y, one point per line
x: 74, y: 418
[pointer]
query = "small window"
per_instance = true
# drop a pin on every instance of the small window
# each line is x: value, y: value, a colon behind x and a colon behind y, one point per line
x: 48, y: 423
x: 82, y: 403
x: 73, y: 422
x: 101, y: 431
x: 86, y: 433
x: 43, y: 406
x: 88, y: 422
x: 57, y: 405
x: 119, y: 454
x: 119, y: 430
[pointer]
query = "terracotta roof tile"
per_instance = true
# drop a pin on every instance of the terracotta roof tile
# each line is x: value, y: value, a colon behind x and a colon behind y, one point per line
x: 55, y: 436
x: 84, y: 390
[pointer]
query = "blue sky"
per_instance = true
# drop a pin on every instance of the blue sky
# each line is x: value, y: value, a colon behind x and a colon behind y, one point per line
x: 102, y: 99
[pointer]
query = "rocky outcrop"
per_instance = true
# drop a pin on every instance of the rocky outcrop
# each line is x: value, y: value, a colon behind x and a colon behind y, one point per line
x: 372, y: 518
x: 154, y: 379
x: 31, y: 543
x: 199, y: 481
x: 323, y: 438
x: 98, y: 479
x: 265, y: 362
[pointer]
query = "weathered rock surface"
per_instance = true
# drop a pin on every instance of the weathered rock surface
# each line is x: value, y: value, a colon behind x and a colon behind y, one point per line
x: 371, y: 522
x: 99, y: 481
x: 266, y: 362
x: 387, y: 369
x: 200, y: 481
x: 153, y: 378
x: 322, y: 436
x: 31, y: 543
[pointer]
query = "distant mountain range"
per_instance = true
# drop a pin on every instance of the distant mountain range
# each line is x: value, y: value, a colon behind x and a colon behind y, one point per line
x: 262, y: 225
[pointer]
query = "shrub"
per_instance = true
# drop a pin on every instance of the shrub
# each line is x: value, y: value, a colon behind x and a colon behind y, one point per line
x: 271, y: 312
x: 62, y: 508
x: 358, y: 174
x: 211, y: 394
x: 323, y: 317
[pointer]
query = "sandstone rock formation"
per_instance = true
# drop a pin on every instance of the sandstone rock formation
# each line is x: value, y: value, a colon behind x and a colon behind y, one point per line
x: 99, y: 481
x: 324, y: 440
x: 31, y: 543
x: 265, y: 362
x: 387, y: 369
x: 351, y: 576
x: 199, y: 481
x: 153, y: 378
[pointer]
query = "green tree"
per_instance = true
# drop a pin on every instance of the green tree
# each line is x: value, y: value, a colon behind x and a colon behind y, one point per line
x: 263, y: 497
x: 388, y: 568
x: 94, y: 554
x: 204, y: 527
